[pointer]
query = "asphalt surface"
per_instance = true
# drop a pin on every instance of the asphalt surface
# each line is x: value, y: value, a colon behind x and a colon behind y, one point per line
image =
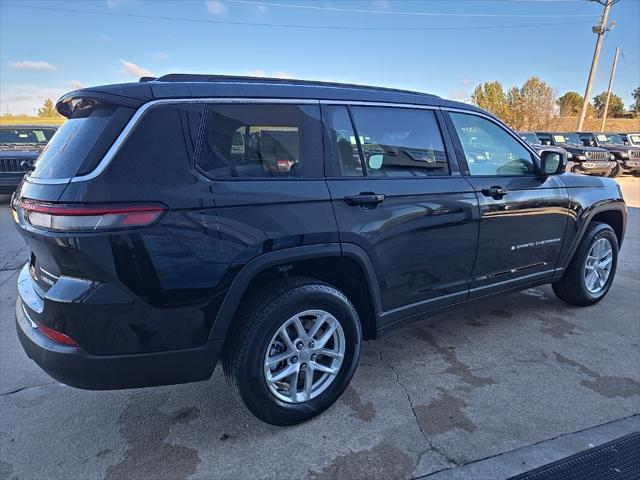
x: 482, y: 392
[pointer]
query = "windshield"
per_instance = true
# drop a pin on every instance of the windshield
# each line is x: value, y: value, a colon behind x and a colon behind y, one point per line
x: 530, y: 138
x: 635, y: 138
x: 611, y: 138
x: 22, y: 135
x: 566, y: 139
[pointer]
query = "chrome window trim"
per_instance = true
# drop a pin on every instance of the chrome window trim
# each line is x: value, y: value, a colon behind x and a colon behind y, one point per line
x: 364, y: 103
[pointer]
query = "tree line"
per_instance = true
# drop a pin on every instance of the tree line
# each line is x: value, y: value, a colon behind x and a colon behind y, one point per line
x: 535, y: 104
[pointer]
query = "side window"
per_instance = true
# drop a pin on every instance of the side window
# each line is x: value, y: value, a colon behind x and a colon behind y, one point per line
x: 343, y: 142
x: 489, y: 149
x: 400, y: 142
x: 261, y: 140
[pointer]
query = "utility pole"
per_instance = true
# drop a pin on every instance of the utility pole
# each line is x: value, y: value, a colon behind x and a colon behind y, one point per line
x: 613, y: 74
x: 600, y: 30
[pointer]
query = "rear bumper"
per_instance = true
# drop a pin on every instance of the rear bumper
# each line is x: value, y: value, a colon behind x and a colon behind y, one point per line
x: 77, y: 368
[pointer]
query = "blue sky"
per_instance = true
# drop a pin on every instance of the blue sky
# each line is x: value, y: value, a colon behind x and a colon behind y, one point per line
x: 440, y: 47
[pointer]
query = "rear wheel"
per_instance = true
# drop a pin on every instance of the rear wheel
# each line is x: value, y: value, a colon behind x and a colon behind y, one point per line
x: 295, y: 350
x: 592, y: 269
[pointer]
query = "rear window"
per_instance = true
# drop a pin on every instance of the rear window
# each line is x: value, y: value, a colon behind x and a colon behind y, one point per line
x: 25, y: 135
x: 79, y: 144
x: 261, y: 140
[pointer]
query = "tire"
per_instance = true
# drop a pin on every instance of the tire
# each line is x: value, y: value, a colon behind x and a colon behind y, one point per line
x: 573, y: 287
x: 257, y: 333
x: 617, y: 171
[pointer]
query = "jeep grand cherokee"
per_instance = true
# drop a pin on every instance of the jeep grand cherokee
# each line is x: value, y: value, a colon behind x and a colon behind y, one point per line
x: 275, y: 224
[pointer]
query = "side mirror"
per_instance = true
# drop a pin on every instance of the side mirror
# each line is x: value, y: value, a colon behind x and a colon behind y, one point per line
x: 552, y: 162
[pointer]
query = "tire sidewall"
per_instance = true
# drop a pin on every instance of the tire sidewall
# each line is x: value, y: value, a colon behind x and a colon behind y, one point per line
x: 254, y: 389
x: 600, y: 231
x: 617, y: 171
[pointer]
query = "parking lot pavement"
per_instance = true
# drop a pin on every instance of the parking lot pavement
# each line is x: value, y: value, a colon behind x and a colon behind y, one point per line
x: 485, y: 391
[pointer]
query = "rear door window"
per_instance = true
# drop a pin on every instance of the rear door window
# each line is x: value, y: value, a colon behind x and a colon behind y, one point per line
x: 80, y: 143
x: 400, y: 142
x: 261, y: 140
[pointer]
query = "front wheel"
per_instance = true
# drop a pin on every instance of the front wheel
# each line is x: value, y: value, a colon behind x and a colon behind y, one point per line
x: 294, y: 351
x: 617, y: 171
x: 592, y: 269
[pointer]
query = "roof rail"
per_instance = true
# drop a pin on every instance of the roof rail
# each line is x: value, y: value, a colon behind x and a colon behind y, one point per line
x: 191, y: 77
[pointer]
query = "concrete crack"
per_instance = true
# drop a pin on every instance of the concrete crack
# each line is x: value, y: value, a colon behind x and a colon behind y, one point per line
x: 432, y: 446
x: 21, y: 389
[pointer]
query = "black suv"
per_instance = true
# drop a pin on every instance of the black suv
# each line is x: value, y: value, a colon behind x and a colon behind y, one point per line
x: 591, y: 160
x: 627, y: 158
x: 20, y: 146
x: 276, y: 224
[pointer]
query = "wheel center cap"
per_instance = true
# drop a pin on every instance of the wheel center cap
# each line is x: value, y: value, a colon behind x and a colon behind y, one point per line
x: 305, y: 355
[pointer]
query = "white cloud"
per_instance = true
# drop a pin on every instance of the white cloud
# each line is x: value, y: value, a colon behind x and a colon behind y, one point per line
x: 216, y: 7
x: 75, y: 85
x: 262, y: 73
x: 31, y: 65
x: 134, y: 70
x: 160, y: 56
x: 26, y: 99
x: 466, y: 81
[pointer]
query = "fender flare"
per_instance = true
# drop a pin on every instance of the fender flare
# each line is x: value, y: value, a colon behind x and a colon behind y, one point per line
x: 262, y: 262
x: 587, y: 217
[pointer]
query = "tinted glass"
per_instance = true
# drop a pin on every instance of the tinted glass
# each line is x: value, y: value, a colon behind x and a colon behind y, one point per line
x: 259, y: 140
x: 489, y: 149
x: 80, y: 142
x: 162, y: 145
x: 400, y: 142
x: 343, y: 142
x: 22, y: 135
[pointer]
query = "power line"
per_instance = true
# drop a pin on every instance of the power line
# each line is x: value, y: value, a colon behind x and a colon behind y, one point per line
x: 286, y: 25
x: 396, y: 12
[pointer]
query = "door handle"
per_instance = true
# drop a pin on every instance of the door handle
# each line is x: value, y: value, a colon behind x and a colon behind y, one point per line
x: 495, y: 192
x: 365, y: 199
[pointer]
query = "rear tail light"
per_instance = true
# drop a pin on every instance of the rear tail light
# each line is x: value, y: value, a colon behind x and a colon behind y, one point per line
x: 89, y: 218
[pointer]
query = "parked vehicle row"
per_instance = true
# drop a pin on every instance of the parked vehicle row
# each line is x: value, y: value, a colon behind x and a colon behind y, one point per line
x: 275, y: 224
x: 627, y: 157
x: 20, y: 146
x: 594, y: 153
